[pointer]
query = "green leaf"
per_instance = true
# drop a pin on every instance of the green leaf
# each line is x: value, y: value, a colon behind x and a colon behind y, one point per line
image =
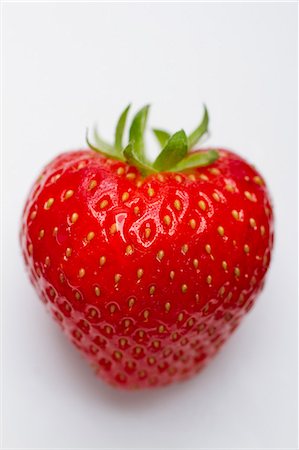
x: 132, y: 158
x: 137, y: 131
x: 120, y: 129
x: 162, y: 136
x: 202, y: 128
x: 175, y: 150
x: 109, y: 153
x: 196, y: 159
x: 103, y: 145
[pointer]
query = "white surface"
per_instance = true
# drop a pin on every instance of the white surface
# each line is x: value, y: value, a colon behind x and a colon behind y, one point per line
x: 67, y: 65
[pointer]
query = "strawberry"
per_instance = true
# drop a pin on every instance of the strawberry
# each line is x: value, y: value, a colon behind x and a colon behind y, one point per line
x: 148, y: 267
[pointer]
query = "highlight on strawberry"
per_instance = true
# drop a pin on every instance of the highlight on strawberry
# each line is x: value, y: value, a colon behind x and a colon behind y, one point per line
x: 148, y: 266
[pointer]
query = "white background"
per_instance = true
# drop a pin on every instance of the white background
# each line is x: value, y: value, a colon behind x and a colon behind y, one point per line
x: 67, y: 65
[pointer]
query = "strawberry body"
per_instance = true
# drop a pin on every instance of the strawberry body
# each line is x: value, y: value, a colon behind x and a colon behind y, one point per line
x: 147, y: 276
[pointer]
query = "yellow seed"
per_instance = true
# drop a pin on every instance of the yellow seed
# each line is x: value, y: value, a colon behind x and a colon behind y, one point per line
x: 41, y: 233
x: 117, y: 277
x: 92, y: 184
x: 235, y: 214
x: 208, y: 249
x: 97, y: 291
x: 161, y: 328
x: 136, y: 210
x: 112, y: 308
x: 102, y: 260
x: 139, y: 183
x: 49, y: 203
x: 92, y: 312
x: 237, y: 271
x: 258, y: 180
x: 263, y: 230
x: 160, y: 255
x: 140, y: 273
x: 151, y: 192
x: 68, y: 252
x: 209, y: 279
x: 117, y: 355
x: 55, y: 178
x: 178, y: 178
x: 167, y: 352
x: 125, y: 196
x: 195, y: 263
x: 201, y: 327
x: 177, y: 204
x: 265, y: 260
x: 152, y: 290
x: 90, y: 236
x: 131, y: 302
x: 81, y: 165
x: 174, y: 336
x: 151, y: 360
x: 156, y: 343
x: 47, y: 261
x: 77, y: 295
x: 192, y: 224
x: 141, y: 334
x: 216, y: 196
x: 253, y: 281
x: 229, y: 187
x: 246, y: 248
x: 167, y: 307
x: 192, y: 177
x: 184, y: 288
x: 220, y: 230
x: 252, y: 222
x: 184, y: 249
x: 55, y: 230
x: 190, y: 322
x: 123, y: 342
x: 30, y: 249
x: 127, y: 323
x: 131, y: 176
x: 224, y: 265
x: 180, y: 317
x: 214, y: 171
x: 171, y: 274
x: 167, y: 220
x: 81, y: 273
x: 202, y: 205
x: 120, y: 171
x: 129, y: 250
x: 147, y: 232
x: 146, y: 314
x: 113, y: 228
x: 249, y: 196
x: 74, y: 217
x: 203, y: 177
x: 68, y: 194
x: 221, y: 290
x: 33, y: 215
x: 103, y: 204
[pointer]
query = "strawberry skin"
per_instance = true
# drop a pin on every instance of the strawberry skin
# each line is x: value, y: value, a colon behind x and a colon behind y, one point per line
x: 147, y: 275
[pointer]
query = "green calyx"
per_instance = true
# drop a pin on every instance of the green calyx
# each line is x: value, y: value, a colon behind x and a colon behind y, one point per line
x: 175, y: 154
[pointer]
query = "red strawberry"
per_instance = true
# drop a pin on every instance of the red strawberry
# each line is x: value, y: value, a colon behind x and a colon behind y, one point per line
x: 148, y: 268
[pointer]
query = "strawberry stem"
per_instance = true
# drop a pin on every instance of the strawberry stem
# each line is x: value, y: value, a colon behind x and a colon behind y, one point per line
x: 175, y: 154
